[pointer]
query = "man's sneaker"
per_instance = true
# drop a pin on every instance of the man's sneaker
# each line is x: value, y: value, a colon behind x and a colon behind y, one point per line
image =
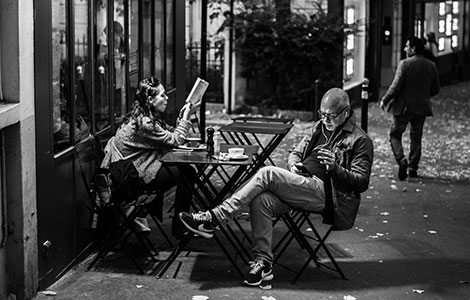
x: 200, y: 223
x: 403, y: 169
x: 260, y: 271
x: 413, y: 173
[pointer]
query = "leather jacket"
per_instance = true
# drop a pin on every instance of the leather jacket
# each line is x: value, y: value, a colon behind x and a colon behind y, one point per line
x: 354, y: 153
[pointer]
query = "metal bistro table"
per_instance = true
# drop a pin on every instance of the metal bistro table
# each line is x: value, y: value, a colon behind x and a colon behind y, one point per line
x: 207, y: 196
x: 239, y: 132
x: 263, y: 119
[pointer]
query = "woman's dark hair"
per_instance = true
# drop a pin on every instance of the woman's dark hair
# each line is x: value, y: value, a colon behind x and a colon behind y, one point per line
x: 146, y: 88
x: 416, y: 43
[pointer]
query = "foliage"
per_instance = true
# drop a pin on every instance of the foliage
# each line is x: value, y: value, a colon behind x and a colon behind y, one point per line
x: 282, y: 60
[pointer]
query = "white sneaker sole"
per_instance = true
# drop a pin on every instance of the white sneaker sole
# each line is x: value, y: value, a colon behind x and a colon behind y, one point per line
x: 206, y: 235
x: 265, y: 278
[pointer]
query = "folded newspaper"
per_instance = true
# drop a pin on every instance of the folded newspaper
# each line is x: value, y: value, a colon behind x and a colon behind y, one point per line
x: 198, y: 90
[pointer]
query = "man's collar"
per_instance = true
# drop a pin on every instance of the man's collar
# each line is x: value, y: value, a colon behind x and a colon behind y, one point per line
x: 349, y: 123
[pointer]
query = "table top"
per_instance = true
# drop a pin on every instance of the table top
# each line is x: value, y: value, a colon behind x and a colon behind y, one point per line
x: 201, y: 157
x: 257, y: 127
x: 263, y: 119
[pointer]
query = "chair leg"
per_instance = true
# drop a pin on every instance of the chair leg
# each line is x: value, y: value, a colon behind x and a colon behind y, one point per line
x: 294, y: 223
x: 120, y: 235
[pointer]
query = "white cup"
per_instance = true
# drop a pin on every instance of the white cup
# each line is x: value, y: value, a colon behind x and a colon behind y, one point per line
x: 236, y: 151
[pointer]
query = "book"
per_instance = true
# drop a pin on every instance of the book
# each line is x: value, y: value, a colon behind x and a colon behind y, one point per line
x: 198, y: 90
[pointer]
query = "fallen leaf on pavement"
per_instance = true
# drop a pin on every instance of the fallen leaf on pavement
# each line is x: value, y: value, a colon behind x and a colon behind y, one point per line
x: 49, y: 293
x: 418, y: 291
x: 349, y: 297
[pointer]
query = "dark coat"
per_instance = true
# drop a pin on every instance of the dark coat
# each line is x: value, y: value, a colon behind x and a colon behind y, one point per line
x: 416, y: 81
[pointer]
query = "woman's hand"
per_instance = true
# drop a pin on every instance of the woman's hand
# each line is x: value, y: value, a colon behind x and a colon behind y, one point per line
x: 185, y: 111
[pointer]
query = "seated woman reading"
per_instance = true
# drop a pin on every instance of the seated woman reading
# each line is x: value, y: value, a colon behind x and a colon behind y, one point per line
x: 145, y: 137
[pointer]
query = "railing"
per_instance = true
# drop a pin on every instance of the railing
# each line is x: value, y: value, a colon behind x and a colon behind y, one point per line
x: 215, y: 69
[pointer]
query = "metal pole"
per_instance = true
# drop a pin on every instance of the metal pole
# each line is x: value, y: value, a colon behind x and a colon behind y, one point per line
x: 203, y: 70
x: 316, y: 105
x: 365, y: 103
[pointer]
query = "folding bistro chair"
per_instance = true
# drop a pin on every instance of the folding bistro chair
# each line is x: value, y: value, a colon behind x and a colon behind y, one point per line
x: 100, y: 201
x: 294, y: 221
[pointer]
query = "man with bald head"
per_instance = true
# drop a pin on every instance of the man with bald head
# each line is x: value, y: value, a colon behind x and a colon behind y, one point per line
x: 335, y: 151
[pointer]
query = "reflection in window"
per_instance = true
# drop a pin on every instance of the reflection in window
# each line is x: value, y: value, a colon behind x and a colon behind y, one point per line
x: 102, y: 112
x: 170, y: 46
x: 61, y: 101
x: 147, y: 38
x: 119, y: 61
x: 82, y: 72
x: 159, y: 41
x: 134, y: 66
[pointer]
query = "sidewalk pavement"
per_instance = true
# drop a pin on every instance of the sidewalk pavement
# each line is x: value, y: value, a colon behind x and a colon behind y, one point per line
x: 411, y: 239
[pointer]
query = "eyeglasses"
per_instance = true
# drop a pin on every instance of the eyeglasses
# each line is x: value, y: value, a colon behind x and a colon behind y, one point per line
x: 326, y: 116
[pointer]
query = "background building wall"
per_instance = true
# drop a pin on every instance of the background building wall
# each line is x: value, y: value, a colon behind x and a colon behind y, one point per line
x: 18, y: 259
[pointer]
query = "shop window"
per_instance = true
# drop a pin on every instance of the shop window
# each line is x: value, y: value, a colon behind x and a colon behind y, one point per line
x: 94, y: 80
x: 119, y: 61
x: 445, y: 19
x: 147, y: 37
x: 134, y: 52
x: 159, y: 40
x: 83, y: 111
x: 102, y: 99
x: 61, y: 100
x: 354, y: 45
x: 170, y: 46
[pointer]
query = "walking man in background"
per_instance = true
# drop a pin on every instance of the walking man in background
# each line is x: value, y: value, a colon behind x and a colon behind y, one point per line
x: 408, y: 100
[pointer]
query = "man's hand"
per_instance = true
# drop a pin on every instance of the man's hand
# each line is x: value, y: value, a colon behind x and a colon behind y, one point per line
x: 327, y: 158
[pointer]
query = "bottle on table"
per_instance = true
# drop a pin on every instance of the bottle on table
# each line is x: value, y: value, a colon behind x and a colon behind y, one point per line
x: 217, y: 141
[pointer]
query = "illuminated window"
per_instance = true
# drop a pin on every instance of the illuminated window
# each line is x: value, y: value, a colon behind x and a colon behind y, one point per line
x: 350, y: 42
x: 455, y: 24
x: 455, y: 7
x: 349, y: 66
x: 442, y: 8
x: 350, y: 16
x: 448, y: 24
x: 442, y: 43
x: 455, y: 41
x: 442, y: 26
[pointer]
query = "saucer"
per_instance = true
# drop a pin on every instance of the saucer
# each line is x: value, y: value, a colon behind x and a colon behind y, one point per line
x: 198, y: 148
x: 239, y: 157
